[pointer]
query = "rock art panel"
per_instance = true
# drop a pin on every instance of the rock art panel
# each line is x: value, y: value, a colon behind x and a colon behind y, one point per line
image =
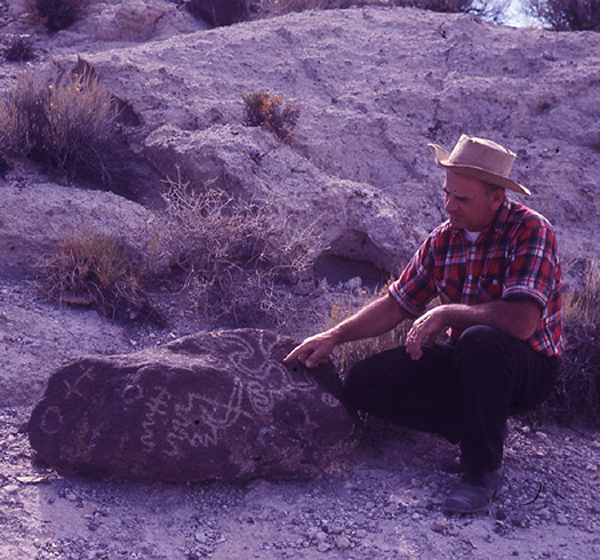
x: 213, y: 406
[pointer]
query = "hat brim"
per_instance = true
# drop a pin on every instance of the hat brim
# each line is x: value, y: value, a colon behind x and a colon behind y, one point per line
x: 442, y: 158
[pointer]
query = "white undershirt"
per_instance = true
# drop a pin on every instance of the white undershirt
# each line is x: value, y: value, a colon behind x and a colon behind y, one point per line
x: 471, y: 235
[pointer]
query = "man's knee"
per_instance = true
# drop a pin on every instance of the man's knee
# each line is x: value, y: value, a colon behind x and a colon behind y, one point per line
x: 484, y: 356
x: 373, y: 380
x: 479, y: 339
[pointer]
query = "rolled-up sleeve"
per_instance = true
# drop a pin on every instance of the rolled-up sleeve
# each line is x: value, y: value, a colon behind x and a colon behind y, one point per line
x: 416, y: 286
x: 531, y: 269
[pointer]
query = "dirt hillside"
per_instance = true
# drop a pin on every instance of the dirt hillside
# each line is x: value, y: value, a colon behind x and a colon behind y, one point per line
x: 375, y: 86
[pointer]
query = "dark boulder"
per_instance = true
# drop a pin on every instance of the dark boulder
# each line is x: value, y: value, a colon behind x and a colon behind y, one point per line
x: 215, y: 406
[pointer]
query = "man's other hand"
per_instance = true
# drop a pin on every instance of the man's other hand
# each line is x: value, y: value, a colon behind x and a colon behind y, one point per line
x: 424, y: 331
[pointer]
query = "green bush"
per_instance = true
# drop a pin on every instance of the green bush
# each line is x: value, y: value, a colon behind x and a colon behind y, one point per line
x: 68, y: 123
x: 270, y: 111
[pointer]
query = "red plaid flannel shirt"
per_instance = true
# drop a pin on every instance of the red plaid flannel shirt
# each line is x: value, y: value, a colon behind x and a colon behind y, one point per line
x: 515, y: 258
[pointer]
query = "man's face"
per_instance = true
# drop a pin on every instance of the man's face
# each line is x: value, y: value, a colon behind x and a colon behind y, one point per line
x: 469, y: 203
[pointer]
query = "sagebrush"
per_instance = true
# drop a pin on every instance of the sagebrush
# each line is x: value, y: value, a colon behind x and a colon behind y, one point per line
x: 67, y: 122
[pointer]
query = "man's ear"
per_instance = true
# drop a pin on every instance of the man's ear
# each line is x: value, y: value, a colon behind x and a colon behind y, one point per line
x: 497, y: 198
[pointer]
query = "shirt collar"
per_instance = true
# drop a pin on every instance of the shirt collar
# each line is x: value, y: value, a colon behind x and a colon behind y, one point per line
x: 502, y: 215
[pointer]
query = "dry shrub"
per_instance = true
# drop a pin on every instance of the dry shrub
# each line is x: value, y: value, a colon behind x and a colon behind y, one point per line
x: 567, y: 15
x: 346, y: 305
x: 53, y: 14
x: 578, y: 392
x: 219, y: 12
x: 98, y: 271
x: 19, y: 48
x: 68, y: 123
x: 278, y: 7
x: 270, y: 111
x: 245, y: 264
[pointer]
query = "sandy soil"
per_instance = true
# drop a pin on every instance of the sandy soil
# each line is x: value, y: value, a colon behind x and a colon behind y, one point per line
x: 383, y: 501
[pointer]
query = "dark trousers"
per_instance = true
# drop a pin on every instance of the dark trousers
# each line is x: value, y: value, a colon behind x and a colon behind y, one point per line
x: 463, y: 391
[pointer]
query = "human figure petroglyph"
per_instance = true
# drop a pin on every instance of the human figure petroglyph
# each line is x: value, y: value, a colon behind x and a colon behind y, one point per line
x: 154, y: 405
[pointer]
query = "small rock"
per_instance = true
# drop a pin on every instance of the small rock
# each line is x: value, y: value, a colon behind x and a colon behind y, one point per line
x: 200, y: 536
x: 336, y: 528
x: 323, y: 547
x: 501, y: 515
x: 11, y: 489
x: 439, y: 528
x: 321, y: 537
x: 361, y: 533
x: 544, y: 514
x: 342, y: 542
x: 391, y: 508
x: 312, y: 533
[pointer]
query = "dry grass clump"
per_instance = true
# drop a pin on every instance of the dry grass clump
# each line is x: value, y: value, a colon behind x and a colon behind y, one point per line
x: 53, y: 14
x: 567, y: 15
x: 68, y: 123
x: 346, y: 305
x: 97, y: 271
x: 245, y: 264
x: 270, y: 111
x: 578, y: 391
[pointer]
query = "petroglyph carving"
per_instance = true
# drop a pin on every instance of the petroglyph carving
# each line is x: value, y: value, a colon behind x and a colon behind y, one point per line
x: 215, y: 405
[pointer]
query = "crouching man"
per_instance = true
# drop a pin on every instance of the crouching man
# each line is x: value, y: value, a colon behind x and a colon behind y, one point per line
x: 495, y: 267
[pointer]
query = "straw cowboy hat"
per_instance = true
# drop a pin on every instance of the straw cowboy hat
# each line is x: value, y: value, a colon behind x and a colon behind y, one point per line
x: 480, y: 159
